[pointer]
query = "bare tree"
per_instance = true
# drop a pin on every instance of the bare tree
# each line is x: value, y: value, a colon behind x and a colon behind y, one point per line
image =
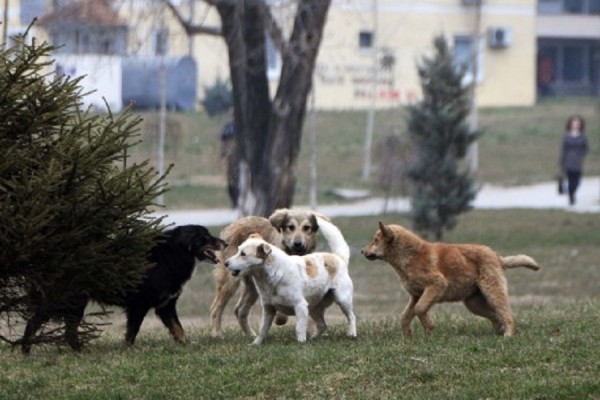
x: 268, y: 130
x: 395, y: 154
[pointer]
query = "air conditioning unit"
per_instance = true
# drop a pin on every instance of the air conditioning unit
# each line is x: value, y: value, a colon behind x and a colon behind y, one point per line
x: 499, y: 37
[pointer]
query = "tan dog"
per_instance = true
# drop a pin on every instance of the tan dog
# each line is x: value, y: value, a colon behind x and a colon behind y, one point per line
x: 294, y: 231
x: 437, y: 272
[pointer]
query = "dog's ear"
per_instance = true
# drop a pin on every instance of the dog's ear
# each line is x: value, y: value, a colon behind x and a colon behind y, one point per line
x: 314, y: 224
x: 385, y: 231
x: 278, y: 218
x: 263, y: 251
x: 222, y: 244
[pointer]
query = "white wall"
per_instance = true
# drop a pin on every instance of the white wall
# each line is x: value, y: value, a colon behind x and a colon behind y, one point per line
x: 102, y: 78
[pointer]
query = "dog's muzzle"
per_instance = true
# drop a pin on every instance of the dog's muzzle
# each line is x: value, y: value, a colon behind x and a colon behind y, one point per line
x: 297, y: 248
x: 210, y: 256
x: 234, y: 272
x: 369, y: 255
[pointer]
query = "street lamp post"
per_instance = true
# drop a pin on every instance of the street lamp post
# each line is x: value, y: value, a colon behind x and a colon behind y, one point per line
x: 473, y: 119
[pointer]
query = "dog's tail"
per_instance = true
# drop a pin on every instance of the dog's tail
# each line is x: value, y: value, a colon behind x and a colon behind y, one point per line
x: 334, y: 237
x: 519, y: 261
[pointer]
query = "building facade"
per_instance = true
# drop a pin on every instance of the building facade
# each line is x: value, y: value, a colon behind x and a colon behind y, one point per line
x: 525, y: 49
x: 568, y: 48
x: 372, y: 48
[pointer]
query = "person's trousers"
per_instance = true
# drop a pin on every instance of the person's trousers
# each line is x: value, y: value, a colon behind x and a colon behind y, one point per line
x: 573, y: 178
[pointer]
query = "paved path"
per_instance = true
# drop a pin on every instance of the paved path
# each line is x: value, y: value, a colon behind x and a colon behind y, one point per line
x: 542, y: 195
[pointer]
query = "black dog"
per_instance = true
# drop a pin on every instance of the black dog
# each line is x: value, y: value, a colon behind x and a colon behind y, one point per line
x: 175, y: 253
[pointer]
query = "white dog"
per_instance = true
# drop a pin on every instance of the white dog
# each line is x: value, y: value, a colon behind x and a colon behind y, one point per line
x: 298, y: 285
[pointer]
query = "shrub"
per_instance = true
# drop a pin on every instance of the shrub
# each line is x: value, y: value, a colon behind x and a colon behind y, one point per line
x: 217, y: 98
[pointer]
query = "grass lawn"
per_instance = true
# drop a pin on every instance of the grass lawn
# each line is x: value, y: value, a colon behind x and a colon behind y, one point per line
x: 519, y: 146
x: 554, y: 354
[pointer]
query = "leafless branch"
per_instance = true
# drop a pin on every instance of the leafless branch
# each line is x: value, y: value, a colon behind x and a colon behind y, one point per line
x: 191, y: 29
x: 275, y: 32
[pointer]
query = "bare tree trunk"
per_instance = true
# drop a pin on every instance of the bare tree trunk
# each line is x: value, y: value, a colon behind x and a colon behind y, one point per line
x: 289, y: 105
x: 270, y: 133
x: 243, y: 31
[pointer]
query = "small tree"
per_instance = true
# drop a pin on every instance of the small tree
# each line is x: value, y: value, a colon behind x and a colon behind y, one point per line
x: 73, y: 215
x: 442, y: 184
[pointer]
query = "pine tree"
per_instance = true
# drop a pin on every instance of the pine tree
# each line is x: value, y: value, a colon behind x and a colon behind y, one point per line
x: 74, y: 216
x: 443, y: 187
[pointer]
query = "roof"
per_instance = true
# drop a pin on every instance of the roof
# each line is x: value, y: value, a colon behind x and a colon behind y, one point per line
x: 85, y: 12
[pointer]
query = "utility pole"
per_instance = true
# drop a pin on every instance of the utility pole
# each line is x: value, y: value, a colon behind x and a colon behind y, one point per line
x: 312, y: 132
x: 475, y: 53
x: 366, y: 172
x: 192, y: 9
x: 5, y: 25
x: 162, y: 86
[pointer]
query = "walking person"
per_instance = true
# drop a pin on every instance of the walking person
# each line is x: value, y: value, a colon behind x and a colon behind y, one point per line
x: 573, y: 151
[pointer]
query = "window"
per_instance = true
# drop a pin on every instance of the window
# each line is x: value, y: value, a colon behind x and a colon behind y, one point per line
x: 546, y: 70
x: 568, y: 67
x: 463, y: 57
x: 365, y: 40
x: 106, y: 46
x: 273, y: 59
x: 569, y: 6
x: 595, y: 64
x: 573, y: 63
x: 573, y: 6
x: 161, y: 41
x: 462, y: 51
x: 550, y: 6
x: 85, y: 44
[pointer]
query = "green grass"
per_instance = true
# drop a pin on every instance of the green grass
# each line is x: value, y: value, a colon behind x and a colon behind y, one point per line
x: 554, y: 357
x: 554, y: 354
x: 520, y: 146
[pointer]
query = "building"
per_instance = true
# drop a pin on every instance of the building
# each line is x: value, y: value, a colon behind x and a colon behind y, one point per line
x: 92, y: 39
x: 370, y: 50
x: 361, y: 34
x: 568, y: 43
x: 526, y: 49
x: 119, y: 48
x: 90, y: 27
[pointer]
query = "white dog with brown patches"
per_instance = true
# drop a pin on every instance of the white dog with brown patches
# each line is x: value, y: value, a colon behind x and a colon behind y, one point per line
x: 298, y: 285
